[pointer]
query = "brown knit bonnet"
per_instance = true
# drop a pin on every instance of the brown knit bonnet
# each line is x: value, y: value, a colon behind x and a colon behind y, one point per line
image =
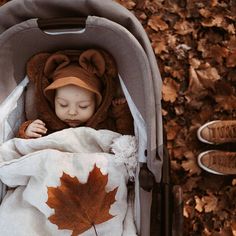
x: 86, y: 72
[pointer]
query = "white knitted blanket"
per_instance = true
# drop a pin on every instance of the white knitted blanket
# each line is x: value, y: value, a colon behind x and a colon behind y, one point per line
x: 32, y: 167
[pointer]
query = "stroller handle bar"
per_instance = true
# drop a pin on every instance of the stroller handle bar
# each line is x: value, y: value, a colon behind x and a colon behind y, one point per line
x: 62, y: 23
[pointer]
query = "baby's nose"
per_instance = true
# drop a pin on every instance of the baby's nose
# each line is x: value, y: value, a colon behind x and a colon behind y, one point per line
x: 72, y: 111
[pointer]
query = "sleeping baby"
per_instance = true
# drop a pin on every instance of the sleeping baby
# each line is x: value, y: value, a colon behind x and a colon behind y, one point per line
x: 72, y: 89
x: 75, y: 89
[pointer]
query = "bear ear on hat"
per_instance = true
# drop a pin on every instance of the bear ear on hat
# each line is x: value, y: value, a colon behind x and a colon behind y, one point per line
x: 35, y: 65
x: 55, y: 62
x: 92, y: 61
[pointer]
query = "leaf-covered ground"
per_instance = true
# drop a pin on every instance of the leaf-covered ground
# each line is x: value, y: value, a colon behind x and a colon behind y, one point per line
x: 195, y: 46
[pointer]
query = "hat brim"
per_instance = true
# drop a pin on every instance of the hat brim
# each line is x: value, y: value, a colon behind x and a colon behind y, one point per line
x: 71, y: 81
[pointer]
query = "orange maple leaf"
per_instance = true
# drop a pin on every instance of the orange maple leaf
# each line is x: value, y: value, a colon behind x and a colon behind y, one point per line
x: 78, y: 206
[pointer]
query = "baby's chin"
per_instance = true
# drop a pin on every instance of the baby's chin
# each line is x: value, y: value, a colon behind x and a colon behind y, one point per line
x: 73, y: 124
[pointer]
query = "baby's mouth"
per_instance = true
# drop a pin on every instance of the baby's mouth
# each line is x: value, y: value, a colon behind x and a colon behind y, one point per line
x: 73, y: 123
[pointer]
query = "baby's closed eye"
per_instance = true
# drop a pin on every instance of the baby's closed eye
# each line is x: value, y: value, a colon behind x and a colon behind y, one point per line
x: 83, y: 107
x: 63, y: 105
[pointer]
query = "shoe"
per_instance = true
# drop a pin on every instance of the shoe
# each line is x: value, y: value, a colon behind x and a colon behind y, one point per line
x: 218, y: 162
x: 218, y: 132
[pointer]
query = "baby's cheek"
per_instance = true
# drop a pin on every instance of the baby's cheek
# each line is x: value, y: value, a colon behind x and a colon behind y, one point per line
x: 85, y: 115
x: 60, y: 113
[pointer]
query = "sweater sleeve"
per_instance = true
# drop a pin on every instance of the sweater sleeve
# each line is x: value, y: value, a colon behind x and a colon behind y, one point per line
x: 123, y: 119
x: 22, y: 129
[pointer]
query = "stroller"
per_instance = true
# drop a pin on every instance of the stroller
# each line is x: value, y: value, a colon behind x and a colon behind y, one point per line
x: 31, y: 26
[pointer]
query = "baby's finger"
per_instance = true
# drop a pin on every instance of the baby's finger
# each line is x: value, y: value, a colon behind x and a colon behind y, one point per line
x: 34, y: 135
x: 39, y: 122
x: 41, y: 127
x: 38, y: 130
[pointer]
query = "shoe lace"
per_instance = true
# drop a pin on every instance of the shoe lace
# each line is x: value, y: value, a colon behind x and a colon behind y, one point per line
x: 226, y: 131
x: 225, y: 160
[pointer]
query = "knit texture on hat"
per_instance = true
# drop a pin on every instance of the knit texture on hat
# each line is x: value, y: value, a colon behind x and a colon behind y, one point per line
x: 84, y: 71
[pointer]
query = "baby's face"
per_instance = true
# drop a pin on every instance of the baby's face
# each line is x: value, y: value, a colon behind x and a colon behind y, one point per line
x: 74, y: 104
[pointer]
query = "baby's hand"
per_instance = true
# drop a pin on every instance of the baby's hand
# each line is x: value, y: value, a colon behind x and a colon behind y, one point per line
x: 118, y: 101
x: 36, y: 129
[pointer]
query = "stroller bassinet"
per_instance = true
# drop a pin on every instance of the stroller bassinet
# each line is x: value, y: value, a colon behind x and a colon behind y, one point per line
x: 31, y: 26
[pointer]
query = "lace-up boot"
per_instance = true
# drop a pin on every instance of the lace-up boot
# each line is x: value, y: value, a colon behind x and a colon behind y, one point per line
x: 218, y: 162
x: 218, y: 132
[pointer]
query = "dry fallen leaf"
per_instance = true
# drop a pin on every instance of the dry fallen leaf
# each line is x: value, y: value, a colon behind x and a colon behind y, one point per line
x: 189, y: 210
x: 233, y: 227
x: 195, y: 86
x: 210, y: 202
x: 191, y: 183
x: 215, y: 52
x: 231, y: 59
x: 78, y: 206
x: 178, y: 152
x: 190, y: 164
x: 215, y: 20
x: 207, y: 76
x: 199, y: 204
x: 201, y: 81
x: 172, y: 129
x: 159, y: 44
x: 204, y: 115
x: 231, y: 29
x: 169, y: 90
x: 205, y: 12
x: 186, y: 211
x: 227, y: 103
x: 183, y: 27
x: 156, y: 23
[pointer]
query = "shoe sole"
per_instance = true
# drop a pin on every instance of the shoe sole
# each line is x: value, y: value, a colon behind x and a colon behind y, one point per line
x: 200, y: 130
x: 204, y: 167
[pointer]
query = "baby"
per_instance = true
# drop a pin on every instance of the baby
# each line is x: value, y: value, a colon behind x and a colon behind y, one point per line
x: 78, y: 96
x: 73, y: 105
